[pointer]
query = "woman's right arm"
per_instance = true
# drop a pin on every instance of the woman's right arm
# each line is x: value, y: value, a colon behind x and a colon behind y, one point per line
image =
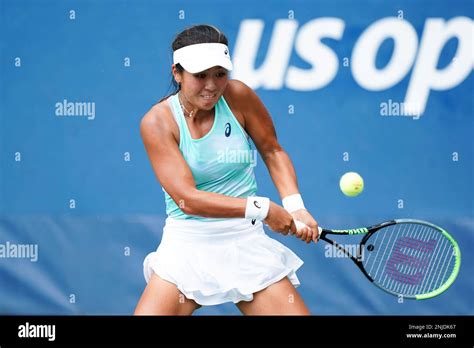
x: 175, y: 176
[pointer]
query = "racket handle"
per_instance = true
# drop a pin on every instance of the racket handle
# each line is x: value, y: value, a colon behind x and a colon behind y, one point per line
x: 300, y: 224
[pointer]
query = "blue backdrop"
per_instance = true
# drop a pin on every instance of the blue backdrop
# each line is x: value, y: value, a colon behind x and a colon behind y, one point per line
x: 76, y: 187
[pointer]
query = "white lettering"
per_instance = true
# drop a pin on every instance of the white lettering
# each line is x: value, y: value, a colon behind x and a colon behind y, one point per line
x: 274, y: 72
x: 21, y: 251
x: 271, y: 73
x: 324, y: 61
x: 365, y: 52
x: 75, y: 109
x: 425, y: 74
x: 37, y: 331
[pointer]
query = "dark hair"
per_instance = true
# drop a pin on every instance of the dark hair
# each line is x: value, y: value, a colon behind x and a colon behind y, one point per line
x: 196, y: 34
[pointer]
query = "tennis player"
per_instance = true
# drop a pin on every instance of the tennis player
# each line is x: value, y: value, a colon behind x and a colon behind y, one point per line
x: 214, y: 249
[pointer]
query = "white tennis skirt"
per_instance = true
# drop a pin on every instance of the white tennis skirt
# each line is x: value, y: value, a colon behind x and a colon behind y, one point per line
x: 213, y: 262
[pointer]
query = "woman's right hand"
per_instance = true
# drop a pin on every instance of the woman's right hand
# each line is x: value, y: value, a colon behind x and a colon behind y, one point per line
x: 279, y: 220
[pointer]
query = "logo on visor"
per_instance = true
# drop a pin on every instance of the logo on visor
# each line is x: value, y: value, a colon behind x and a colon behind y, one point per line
x: 226, y: 52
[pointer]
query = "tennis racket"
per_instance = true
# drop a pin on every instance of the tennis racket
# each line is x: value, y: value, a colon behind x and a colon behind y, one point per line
x: 410, y: 258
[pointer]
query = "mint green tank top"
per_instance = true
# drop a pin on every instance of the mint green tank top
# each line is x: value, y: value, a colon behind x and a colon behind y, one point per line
x: 222, y: 161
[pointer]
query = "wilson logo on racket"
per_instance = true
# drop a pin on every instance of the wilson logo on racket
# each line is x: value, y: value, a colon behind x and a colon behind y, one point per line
x: 413, y: 254
x: 228, y: 129
x: 407, y: 258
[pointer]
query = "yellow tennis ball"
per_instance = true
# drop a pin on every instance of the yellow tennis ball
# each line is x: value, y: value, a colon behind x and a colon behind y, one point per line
x: 351, y: 184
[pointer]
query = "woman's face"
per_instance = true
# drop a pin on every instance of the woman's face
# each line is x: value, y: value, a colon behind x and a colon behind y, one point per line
x: 203, y: 89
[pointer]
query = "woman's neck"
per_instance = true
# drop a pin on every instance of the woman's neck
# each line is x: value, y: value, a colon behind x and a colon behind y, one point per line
x: 191, y: 112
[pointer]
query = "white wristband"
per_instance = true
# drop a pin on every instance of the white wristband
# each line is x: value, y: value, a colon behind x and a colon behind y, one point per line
x: 293, y: 203
x: 257, y: 208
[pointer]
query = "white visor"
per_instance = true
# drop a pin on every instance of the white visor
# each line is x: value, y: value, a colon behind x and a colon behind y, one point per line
x: 200, y: 57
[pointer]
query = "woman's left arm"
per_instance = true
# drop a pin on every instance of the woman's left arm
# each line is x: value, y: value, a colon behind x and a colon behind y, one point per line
x: 259, y: 126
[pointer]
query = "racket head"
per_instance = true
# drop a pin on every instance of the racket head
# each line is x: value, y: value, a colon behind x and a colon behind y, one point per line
x: 411, y: 258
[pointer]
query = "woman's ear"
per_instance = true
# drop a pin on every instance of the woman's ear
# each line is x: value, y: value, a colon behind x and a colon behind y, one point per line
x: 176, y: 76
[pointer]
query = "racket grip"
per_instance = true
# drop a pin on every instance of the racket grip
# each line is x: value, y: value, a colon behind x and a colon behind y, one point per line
x: 300, y: 224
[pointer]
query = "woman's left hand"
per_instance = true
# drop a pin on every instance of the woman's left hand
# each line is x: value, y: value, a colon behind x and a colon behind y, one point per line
x: 306, y: 234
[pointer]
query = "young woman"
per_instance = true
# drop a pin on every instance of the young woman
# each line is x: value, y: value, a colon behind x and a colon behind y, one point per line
x: 214, y: 249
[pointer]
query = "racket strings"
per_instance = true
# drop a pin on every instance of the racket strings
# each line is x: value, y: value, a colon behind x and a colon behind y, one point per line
x: 409, y: 259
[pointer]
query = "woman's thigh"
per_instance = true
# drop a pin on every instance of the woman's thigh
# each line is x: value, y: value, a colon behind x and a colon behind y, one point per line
x: 280, y: 298
x: 161, y: 297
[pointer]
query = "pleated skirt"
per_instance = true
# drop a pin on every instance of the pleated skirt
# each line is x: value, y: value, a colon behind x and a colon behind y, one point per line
x: 214, y: 262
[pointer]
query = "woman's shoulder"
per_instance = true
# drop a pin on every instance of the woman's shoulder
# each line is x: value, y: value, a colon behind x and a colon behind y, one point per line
x: 237, y: 90
x: 157, y: 114
x: 236, y: 96
x: 160, y: 118
x: 241, y: 99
